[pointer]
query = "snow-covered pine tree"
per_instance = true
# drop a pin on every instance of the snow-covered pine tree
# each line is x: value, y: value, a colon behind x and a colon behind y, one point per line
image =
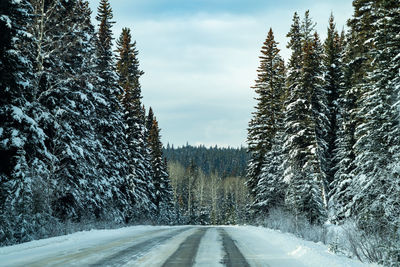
x: 162, y: 184
x: 376, y: 146
x: 267, y: 185
x: 145, y: 151
x: 21, y: 139
x: 139, y: 180
x: 388, y: 29
x: 344, y: 154
x: 302, y: 145
x: 109, y: 124
x: 63, y: 46
x: 271, y: 187
x: 321, y: 111
x: 356, y: 63
x: 86, y: 97
x: 332, y: 76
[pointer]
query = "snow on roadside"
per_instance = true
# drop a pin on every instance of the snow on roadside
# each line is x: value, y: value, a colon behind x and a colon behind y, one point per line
x: 45, y: 248
x: 210, y: 252
x: 262, y: 246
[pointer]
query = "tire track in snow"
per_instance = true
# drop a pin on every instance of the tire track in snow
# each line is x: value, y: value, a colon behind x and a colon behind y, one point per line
x: 86, y: 256
x: 186, y: 253
x: 136, y: 251
x: 233, y: 257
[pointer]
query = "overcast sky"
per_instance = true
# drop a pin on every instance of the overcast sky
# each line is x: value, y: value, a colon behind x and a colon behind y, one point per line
x: 200, y: 58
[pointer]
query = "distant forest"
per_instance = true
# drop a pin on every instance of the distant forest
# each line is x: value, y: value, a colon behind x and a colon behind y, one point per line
x: 226, y: 161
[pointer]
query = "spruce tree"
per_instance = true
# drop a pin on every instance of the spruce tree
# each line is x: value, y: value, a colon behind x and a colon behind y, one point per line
x: 266, y: 185
x: 21, y: 139
x: 321, y: 113
x: 356, y: 64
x: 302, y: 145
x: 376, y: 136
x: 109, y: 117
x: 332, y: 76
x: 139, y: 180
x: 389, y: 39
x: 162, y: 184
x: 63, y: 73
x: 344, y: 154
x: 149, y: 120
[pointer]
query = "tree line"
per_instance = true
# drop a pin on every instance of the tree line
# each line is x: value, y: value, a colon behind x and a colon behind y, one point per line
x: 227, y: 161
x: 324, y: 136
x: 76, y: 143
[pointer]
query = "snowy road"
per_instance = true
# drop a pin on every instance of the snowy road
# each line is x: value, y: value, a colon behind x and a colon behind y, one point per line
x: 173, y: 246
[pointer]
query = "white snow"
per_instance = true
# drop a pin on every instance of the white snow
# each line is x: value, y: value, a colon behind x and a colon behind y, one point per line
x: 17, y: 113
x: 159, y: 254
x: 266, y: 247
x: 79, y: 248
x: 7, y: 20
x: 210, y: 251
x: 16, y: 140
x: 260, y: 247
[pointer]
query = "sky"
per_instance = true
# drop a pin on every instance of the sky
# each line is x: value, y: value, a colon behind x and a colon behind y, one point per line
x: 200, y: 58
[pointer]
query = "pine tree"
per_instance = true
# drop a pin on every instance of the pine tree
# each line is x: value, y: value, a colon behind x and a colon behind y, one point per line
x: 344, y: 154
x: 62, y: 86
x: 332, y: 76
x: 271, y: 188
x: 27, y: 189
x: 265, y: 124
x: 302, y: 145
x: 16, y: 211
x: 161, y: 179
x: 356, y: 64
x: 321, y: 112
x: 104, y: 51
x: 139, y: 180
x: 376, y: 145
x: 149, y: 120
x: 389, y: 40
x: 109, y: 123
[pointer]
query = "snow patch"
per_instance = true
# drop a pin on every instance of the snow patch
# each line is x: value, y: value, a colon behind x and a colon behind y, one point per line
x: 210, y: 251
x: 7, y: 20
x: 17, y: 113
x: 266, y: 247
x: 299, y: 252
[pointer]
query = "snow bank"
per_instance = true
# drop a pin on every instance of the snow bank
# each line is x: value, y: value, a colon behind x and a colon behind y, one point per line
x: 262, y: 246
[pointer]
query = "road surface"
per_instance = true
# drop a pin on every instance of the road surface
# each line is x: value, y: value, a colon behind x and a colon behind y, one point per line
x: 172, y: 246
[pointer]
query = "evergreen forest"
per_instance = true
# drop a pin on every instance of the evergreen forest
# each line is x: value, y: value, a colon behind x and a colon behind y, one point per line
x: 80, y: 150
x: 324, y: 137
x: 226, y: 161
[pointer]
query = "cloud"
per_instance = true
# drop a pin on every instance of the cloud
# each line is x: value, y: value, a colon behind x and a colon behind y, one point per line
x: 200, y: 59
